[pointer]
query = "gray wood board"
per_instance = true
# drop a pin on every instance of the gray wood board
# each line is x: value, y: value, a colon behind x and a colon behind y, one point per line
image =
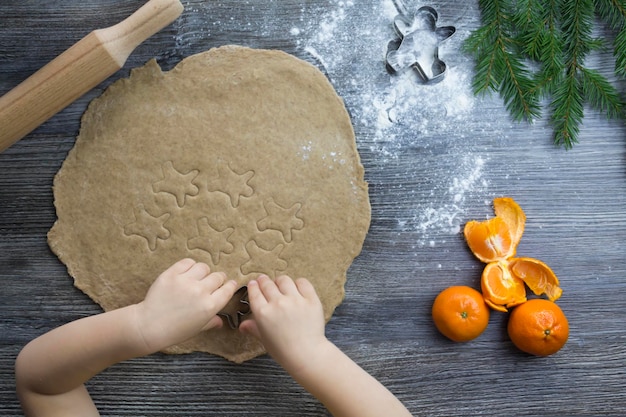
x: 434, y: 156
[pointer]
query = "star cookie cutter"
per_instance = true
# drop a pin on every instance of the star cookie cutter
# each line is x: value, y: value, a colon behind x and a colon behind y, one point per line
x: 418, y: 43
x: 237, y: 308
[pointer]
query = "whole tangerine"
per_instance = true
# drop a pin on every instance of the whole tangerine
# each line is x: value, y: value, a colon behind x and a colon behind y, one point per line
x: 460, y: 313
x: 538, y: 327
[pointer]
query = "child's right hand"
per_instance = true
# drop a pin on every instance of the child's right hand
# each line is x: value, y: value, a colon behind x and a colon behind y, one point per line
x: 183, y: 301
x: 288, y: 319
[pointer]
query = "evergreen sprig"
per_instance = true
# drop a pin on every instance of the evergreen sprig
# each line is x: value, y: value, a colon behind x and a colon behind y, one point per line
x: 529, y: 50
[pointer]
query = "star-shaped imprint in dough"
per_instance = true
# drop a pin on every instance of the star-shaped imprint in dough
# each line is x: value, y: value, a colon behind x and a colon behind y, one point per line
x: 211, y: 240
x: 231, y: 183
x: 263, y: 261
x: 176, y: 183
x: 282, y: 219
x: 147, y: 226
x: 418, y: 46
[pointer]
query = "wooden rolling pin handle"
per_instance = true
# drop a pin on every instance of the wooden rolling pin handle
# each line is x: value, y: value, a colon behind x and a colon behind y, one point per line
x: 79, y: 69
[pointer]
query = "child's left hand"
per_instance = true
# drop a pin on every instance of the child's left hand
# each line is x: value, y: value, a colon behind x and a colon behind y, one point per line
x: 183, y: 301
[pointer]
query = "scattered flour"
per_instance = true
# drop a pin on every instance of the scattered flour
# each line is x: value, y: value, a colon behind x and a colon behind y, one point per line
x: 352, y: 39
x: 447, y: 217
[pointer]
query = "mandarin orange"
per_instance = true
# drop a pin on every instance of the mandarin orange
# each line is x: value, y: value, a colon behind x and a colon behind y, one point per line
x: 460, y: 313
x: 538, y: 327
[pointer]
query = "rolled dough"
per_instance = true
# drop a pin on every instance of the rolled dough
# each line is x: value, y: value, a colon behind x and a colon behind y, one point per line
x: 244, y: 159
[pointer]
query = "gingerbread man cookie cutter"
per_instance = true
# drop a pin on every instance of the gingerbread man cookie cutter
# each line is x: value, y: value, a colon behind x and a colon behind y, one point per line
x: 417, y: 45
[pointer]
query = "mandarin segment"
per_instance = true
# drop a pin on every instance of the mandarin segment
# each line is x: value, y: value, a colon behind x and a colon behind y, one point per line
x: 489, y: 240
x: 500, y: 288
x: 508, y: 210
x: 538, y: 277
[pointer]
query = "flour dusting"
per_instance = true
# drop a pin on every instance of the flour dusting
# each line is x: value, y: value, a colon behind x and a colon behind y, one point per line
x: 350, y: 40
x: 447, y: 216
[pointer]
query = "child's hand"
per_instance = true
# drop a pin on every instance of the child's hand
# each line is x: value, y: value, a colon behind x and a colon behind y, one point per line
x: 287, y: 317
x: 182, y: 302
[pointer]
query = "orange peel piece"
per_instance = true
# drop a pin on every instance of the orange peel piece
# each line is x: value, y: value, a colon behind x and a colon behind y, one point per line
x: 500, y: 288
x: 537, y: 275
x: 489, y: 240
x: 508, y: 210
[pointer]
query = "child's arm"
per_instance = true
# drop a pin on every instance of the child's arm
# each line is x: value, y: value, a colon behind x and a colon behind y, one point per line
x: 51, y: 370
x: 288, y: 319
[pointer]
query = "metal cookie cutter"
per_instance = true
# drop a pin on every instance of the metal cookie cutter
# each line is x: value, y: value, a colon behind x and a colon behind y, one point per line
x: 237, y: 308
x: 418, y: 43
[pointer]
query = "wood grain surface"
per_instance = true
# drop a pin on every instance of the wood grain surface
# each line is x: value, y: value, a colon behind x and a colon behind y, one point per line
x: 429, y: 172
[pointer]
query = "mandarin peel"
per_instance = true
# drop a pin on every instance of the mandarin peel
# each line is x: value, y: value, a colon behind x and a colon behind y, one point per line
x: 538, y: 277
x: 508, y: 210
x: 504, y: 279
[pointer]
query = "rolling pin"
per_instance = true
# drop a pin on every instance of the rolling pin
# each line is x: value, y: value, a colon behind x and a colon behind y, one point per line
x: 83, y: 66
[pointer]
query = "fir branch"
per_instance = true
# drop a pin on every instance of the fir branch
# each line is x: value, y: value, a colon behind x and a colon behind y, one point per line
x: 614, y: 13
x: 568, y: 101
x: 529, y: 19
x: 620, y: 53
x: 517, y: 90
x: 576, y: 26
x: 550, y: 54
x: 600, y: 94
x: 568, y: 111
x: 488, y: 74
x: 497, y: 68
x: 557, y: 35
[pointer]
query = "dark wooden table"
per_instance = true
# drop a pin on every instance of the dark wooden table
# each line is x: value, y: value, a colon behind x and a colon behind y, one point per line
x: 434, y: 156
